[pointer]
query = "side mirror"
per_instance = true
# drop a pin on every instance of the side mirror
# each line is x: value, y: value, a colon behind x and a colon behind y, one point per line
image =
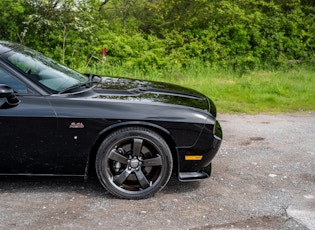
x: 7, y: 92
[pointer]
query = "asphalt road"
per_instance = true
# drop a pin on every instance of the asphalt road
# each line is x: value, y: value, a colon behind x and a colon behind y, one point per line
x: 263, y: 178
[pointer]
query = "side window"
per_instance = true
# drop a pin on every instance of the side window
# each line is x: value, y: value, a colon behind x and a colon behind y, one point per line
x: 16, y: 85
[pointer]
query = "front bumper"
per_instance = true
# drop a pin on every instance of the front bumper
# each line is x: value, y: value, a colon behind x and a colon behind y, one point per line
x: 194, y: 170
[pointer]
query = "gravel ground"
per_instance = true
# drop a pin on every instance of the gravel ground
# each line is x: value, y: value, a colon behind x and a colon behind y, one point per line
x: 263, y: 178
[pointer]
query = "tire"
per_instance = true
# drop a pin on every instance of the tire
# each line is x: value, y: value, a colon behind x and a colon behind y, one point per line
x: 134, y: 163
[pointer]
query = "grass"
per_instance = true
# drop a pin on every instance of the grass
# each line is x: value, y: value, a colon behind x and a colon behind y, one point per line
x: 269, y: 91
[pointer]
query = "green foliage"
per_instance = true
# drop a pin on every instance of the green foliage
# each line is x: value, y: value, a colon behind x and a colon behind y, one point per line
x: 230, y: 50
x: 11, y: 29
x: 146, y: 36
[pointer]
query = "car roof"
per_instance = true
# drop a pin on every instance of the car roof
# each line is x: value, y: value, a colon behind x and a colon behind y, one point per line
x: 6, y: 46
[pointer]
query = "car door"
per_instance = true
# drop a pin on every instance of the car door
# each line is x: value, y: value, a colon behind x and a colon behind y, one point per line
x: 27, y: 131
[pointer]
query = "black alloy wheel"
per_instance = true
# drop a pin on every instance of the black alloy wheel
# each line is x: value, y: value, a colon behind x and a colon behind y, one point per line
x: 134, y: 163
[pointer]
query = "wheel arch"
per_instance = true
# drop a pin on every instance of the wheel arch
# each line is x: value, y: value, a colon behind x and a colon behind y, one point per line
x: 164, y: 133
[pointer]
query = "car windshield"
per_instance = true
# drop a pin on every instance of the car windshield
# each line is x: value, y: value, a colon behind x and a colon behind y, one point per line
x: 45, y: 71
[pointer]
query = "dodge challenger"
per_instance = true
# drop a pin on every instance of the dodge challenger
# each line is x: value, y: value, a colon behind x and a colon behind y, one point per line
x: 132, y: 134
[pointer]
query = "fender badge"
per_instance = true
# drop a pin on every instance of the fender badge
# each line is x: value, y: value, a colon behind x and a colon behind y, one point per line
x: 76, y: 125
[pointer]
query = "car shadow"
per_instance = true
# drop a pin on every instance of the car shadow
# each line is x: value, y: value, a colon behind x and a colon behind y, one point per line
x: 174, y: 186
x: 18, y: 184
x: 91, y: 187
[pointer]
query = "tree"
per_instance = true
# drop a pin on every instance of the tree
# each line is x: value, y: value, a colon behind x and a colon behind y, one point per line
x: 11, y: 20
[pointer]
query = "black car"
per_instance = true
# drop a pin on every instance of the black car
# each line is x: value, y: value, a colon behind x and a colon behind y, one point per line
x: 55, y: 121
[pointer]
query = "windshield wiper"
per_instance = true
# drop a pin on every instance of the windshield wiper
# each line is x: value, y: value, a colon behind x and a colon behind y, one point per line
x: 93, y: 81
x: 89, y: 84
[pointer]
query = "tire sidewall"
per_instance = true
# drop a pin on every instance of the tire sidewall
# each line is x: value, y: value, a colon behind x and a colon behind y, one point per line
x: 149, y: 136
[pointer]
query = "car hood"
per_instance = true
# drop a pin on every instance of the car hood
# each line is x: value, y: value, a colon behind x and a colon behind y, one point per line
x: 150, y: 92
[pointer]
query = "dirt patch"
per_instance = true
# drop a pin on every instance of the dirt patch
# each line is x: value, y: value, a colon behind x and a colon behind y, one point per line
x: 265, y: 222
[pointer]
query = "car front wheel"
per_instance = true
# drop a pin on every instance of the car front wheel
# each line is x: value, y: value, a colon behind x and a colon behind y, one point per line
x: 134, y: 163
